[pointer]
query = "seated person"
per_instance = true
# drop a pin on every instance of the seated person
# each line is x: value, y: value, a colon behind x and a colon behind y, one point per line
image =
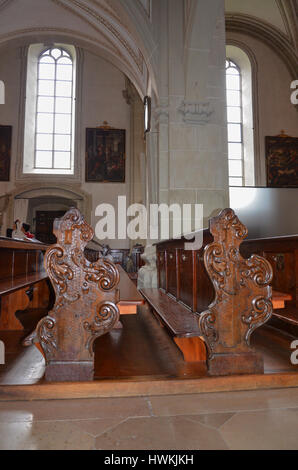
x: 22, y: 231
x: 26, y: 230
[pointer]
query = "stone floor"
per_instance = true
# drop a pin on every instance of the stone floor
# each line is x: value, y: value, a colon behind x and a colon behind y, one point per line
x: 235, y: 420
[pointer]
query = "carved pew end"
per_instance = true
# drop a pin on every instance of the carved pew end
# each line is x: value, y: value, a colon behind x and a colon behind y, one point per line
x: 236, y: 364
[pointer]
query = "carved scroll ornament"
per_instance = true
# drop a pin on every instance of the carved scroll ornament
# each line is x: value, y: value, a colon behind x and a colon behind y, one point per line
x: 85, y: 306
x: 243, y: 296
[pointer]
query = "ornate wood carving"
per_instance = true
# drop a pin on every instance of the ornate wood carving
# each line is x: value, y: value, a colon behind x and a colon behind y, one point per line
x: 242, y: 301
x: 85, y: 306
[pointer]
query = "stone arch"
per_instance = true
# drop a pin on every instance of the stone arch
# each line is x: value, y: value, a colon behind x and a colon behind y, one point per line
x: 268, y: 34
x: 109, y: 31
x: 72, y: 196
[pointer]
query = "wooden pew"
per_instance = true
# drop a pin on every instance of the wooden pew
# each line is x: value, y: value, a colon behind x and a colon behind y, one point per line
x: 23, y: 280
x: 282, y: 253
x: 129, y: 296
x: 213, y: 297
x: 90, y: 296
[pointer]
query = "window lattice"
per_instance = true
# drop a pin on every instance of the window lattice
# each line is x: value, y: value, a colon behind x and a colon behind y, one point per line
x: 235, y: 124
x: 53, y: 133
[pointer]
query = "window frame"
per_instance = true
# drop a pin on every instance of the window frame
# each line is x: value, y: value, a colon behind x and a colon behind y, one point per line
x: 54, y: 113
x: 241, y: 142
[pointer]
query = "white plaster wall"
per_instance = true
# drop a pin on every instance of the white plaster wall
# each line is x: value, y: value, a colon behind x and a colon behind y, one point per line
x: 102, y: 100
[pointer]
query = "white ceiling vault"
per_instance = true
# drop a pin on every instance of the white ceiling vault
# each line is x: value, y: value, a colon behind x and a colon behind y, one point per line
x: 275, y: 22
x: 280, y: 14
x: 123, y: 32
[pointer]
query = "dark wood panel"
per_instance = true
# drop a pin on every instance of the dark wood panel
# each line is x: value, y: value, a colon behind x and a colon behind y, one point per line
x: 187, y: 278
x: 162, y: 274
x: 6, y: 264
x: 20, y: 262
x: 32, y: 261
x: 205, y: 289
x: 44, y: 225
x: 172, y: 272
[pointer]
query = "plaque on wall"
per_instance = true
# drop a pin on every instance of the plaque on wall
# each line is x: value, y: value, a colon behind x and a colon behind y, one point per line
x: 5, y: 152
x: 282, y: 161
x: 105, y: 155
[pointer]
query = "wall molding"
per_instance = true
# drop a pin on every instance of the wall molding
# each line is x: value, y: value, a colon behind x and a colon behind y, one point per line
x: 84, y: 11
x: 44, y: 189
x: 196, y: 113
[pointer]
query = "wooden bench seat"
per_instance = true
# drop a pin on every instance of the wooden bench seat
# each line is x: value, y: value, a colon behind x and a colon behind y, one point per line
x: 279, y: 299
x: 181, y: 323
x: 179, y: 320
x: 7, y: 286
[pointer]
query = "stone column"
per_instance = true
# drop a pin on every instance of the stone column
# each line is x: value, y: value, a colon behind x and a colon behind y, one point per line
x: 198, y: 162
x: 190, y: 114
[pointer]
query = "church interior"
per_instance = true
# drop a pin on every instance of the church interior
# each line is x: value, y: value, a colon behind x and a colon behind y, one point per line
x: 117, y: 333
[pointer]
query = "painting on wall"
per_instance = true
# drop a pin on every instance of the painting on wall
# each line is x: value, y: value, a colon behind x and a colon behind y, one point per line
x: 5, y: 152
x: 105, y: 155
x: 282, y: 161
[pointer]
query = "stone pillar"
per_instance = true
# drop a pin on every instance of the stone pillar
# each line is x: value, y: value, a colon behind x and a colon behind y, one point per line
x: 198, y: 162
x: 189, y: 128
x: 138, y: 149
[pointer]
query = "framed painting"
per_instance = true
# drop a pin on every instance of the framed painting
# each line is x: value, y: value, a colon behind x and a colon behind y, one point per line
x: 282, y: 161
x: 5, y: 152
x: 105, y: 155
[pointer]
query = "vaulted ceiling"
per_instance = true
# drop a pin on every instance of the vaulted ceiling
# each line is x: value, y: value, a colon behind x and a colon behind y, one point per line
x: 281, y: 15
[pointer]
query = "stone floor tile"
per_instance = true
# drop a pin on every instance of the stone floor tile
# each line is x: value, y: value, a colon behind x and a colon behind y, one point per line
x: 224, y: 402
x: 160, y: 433
x: 96, y: 427
x: 54, y: 435
x: 73, y: 409
x: 262, y: 430
x: 215, y: 420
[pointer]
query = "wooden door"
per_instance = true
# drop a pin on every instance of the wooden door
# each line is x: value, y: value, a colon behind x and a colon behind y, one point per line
x: 44, y: 225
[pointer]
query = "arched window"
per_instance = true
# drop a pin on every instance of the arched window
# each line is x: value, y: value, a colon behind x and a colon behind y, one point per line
x: 53, y: 130
x: 235, y: 124
x: 50, y: 110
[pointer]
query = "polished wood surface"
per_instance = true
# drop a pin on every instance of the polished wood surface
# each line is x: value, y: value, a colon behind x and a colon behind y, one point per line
x: 10, y: 285
x: 180, y: 321
x: 13, y: 243
x: 22, y: 280
x: 129, y: 295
